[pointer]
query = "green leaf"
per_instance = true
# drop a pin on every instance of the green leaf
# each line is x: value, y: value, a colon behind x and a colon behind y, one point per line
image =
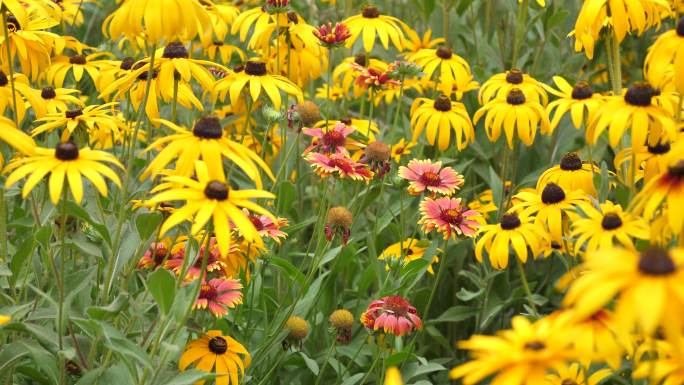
x: 162, y: 286
x: 311, y: 364
x: 79, y: 212
x: 288, y: 268
x: 455, y: 314
x: 109, y: 311
x: 189, y: 377
x: 147, y: 223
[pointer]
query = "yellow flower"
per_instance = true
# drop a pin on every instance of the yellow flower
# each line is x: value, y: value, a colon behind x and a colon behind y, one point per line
x: 214, y: 352
x: 98, y: 122
x: 571, y: 174
x: 580, y: 101
x: 401, y: 148
x: 635, y: 110
x: 305, y: 64
x: 666, y: 57
x: 77, y: 65
x: 210, y: 197
x: 336, y: 92
x: 415, y: 43
x: 500, y: 85
x: 514, y: 113
x: 21, y: 84
x: 29, y: 43
x: 412, y: 249
x: 451, y: 70
x: 393, y: 376
x: 552, y: 206
x: 649, y: 286
x: 607, y: 227
x: 4, y: 319
x: 369, y: 23
x: 15, y: 137
x: 253, y: 79
x: 438, y: 118
x: 651, y: 160
x: 344, y: 75
x: 522, y: 355
x: 574, y: 374
x: 65, y: 162
x: 661, y: 362
x: 159, y: 19
x: 512, y: 230
x: 49, y: 100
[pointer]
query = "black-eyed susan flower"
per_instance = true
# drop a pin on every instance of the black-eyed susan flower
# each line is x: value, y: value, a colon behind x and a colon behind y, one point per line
x: 517, y: 115
x: 426, y: 175
x: 597, y: 338
x: 369, y: 24
x: 15, y: 138
x: 659, y: 361
x: 98, y: 121
x: 29, y: 41
x: 651, y: 160
x: 519, y: 233
x: 438, y: 118
x: 214, y: 352
x: 551, y: 206
x: 500, y: 85
x: 183, y: 19
x: 8, y: 94
x: 218, y: 295
x: 649, y: 287
x: 76, y: 65
x: 575, y: 374
x: 649, y: 123
x: 254, y: 79
x: 607, y: 227
x: 415, y: 42
x: 667, y: 56
x: 571, y: 174
x: 402, y: 148
x: 206, y: 141
x: 393, y: 315
x: 50, y: 100
x: 66, y: 162
x: 407, y: 251
x: 580, y: 100
x: 448, y: 69
x: 210, y: 197
x: 522, y: 355
x: 449, y: 217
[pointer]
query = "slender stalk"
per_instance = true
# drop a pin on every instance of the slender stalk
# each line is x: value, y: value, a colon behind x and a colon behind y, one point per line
x: 442, y: 268
x: 445, y: 20
x: 3, y: 225
x: 526, y: 287
x: 520, y: 29
x: 174, y: 106
x: 325, y: 363
x: 274, y: 368
x: 614, y: 62
x: 329, y: 86
x: 10, y: 65
x: 371, y: 108
x: 60, y: 284
x: 397, y: 113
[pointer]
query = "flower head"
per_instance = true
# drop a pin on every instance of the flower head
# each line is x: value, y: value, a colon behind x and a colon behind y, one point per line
x: 215, y: 352
x: 424, y: 175
x: 448, y: 216
x: 330, y: 36
x: 338, y: 164
x: 393, y: 314
x: 372, y: 77
x: 218, y: 295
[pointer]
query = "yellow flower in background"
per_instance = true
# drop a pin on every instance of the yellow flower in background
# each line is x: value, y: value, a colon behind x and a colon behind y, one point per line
x: 211, y: 197
x: 635, y: 110
x: 77, y: 65
x: 305, y: 64
x: 438, y: 118
x: 522, y: 355
x: 401, y: 148
x: 607, y: 227
x: 393, y: 376
x: 7, y: 96
x: 664, y: 63
x: 516, y: 115
x: 99, y: 122
x: 64, y: 163
x: 411, y: 249
x: 4, y: 319
x: 49, y: 100
x: 661, y: 362
x: 370, y: 23
x: 254, y: 79
x: 30, y: 42
x: 16, y: 138
x: 580, y: 101
x: 514, y: 232
x: 216, y: 353
x: 336, y: 92
x: 415, y: 42
x: 649, y: 286
x: 182, y: 19
x: 345, y: 76
x: 448, y: 69
x: 571, y: 174
x: 500, y: 85
x: 596, y: 336
x: 574, y: 374
x: 651, y: 160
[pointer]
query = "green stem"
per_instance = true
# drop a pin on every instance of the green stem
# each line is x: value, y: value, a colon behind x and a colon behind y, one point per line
x: 614, y: 62
x: 526, y: 287
x: 325, y: 363
x: 397, y: 113
x: 330, y: 84
x: 3, y: 226
x: 445, y: 21
x: 10, y: 65
x: 520, y: 29
x: 371, y: 109
x: 442, y: 268
x: 60, y: 283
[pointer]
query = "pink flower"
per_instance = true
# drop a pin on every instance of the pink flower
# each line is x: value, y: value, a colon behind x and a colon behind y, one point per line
x: 154, y: 256
x: 373, y: 77
x: 214, y: 263
x: 333, y: 140
x: 340, y: 164
x: 426, y: 175
x: 392, y: 314
x: 218, y: 295
x: 448, y: 216
x: 267, y: 227
x: 330, y: 36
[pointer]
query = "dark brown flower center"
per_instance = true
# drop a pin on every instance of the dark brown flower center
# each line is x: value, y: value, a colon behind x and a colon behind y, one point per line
x: 72, y: 114
x: 640, y: 94
x: 370, y: 12
x: 396, y: 305
x: 346, y: 121
x: 430, y: 178
x: 656, y: 261
x: 361, y: 59
x: 444, y: 52
x: 12, y: 23
x: 442, y: 103
x: 582, y: 90
x: 452, y: 216
x: 208, y: 127
x: 515, y: 97
x: 535, y: 345
x: 216, y: 190
x: 208, y: 292
x: 568, y: 381
x: 77, y: 59
x: 66, y: 151
x: 218, y: 43
x: 514, y: 76
x: 48, y: 93
x: 127, y: 63
x: 175, y: 50
x: 3, y: 79
x: 571, y: 162
x: 333, y: 138
x: 552, y: 194
x: 659, y: 149
x: 676, y: 171
x: 256, y: 68
x: 510, y: 221
x: 292, y: 17
x: 218, y: 345
x: 680, y: 27
x: 143, y: 76
x: 611, y: 221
